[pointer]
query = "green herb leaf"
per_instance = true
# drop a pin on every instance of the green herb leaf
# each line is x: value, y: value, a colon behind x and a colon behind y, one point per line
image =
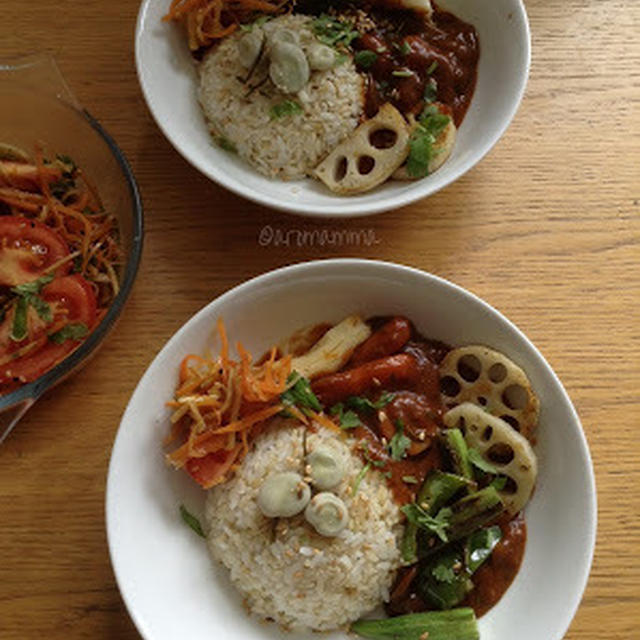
x: 430, y: 125
x: 476, y: 459
x: 333, y: 32
x: 34, y: 287
x: 42, y: 308
x: 225, y: 144
x: 19, y: 326
x: 340, y: 59
x: 347, y: 419
x: 367, y: 455
x: 256, y: 23
x: 191, y: 521
x: 69, y: 167
x: 431, y: 91
x: 285, y: 109
x: 28, y: 295
x: 299, y: 393
x: 359, y: 477
x: 443, y: 573
x: 499, y: 483
x: 360, y: 403
x: 405, y: 49
x: 432, y: 120
x: 365, y: 58
x: 399, y: 445
x: 72, y: 331
x: 410, y: 479
x: 433, y: 524
x: 432, y: 67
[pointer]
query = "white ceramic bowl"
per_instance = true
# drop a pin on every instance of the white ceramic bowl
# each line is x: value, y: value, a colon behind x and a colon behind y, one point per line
x: 166, y: 578
x: 168, y: 79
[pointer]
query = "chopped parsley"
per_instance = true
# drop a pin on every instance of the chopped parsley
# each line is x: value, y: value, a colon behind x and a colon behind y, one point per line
x: 365, y: 58
x: 225, y: 144
x: 28, y: 295
x: 476, y: 459
x: 443, y: 573
x: 360, y: 476
x: 405, y: 49
x: 367, y: 455
x: 431, y: 91
x: 191, y: 521
x: 285, y: 109
x: 72, y: 331
x: 431, y: 124
x: 347, y: 419
x: 256, y: 23
x: 432, y: 67
x: 333, y: 32
x: 433, y: 524
x: 299, y: 393
x: 409, y: 479
x: 360, y: 403
x: 399, y: 443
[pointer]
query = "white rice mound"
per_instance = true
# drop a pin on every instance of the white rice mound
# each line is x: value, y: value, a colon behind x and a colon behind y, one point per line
x: 285, y: 571
x: 291, y: 146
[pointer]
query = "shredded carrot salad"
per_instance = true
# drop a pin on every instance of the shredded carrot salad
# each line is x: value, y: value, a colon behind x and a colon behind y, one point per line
x: 58, y: 194
x: 60, y: 255
x: 210, y: 20
x: 220, y: 407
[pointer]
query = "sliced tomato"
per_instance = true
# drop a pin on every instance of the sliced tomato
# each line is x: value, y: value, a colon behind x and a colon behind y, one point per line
x: 27, y: 248
x: 211, y: 469
x: 71, y: 298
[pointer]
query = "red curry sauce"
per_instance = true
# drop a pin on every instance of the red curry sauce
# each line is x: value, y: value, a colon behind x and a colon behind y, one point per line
x: 419, y: 61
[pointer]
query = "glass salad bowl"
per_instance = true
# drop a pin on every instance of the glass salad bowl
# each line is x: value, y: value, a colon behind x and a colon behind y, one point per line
x: 37, y: 107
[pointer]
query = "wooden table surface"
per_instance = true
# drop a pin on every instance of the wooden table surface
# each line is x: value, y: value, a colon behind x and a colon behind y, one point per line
x: 546, y: 229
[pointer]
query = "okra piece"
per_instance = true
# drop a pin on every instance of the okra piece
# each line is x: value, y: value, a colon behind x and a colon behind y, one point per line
x: 480, y: 545
x: 456, y: 446
x: 438, y: 488
x: 443, y: 582
x: 455, y: 624
x: 473, y: 512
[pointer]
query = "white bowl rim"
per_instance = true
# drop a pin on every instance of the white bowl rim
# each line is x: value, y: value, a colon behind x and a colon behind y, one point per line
x: 359, y: 263
x: 345, y: 208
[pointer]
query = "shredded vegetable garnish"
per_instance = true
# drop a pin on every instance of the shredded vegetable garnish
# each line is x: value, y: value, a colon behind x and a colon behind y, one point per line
x: 221, y: 406
x: 60, y: 258
x: 209, y: 20
x: 58, y: 194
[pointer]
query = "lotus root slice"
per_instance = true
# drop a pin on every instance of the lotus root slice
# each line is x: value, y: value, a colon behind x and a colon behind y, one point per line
x: 489, y: 379
x: 508, y: 451
x: 369, y: 156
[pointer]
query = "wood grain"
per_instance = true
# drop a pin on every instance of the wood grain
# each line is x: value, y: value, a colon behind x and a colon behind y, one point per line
x: 546, y: 228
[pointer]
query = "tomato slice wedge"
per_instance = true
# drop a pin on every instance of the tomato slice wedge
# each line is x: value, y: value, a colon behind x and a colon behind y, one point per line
x: 71, y: 299
x: 27, y: 249
x: 210, y: 469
